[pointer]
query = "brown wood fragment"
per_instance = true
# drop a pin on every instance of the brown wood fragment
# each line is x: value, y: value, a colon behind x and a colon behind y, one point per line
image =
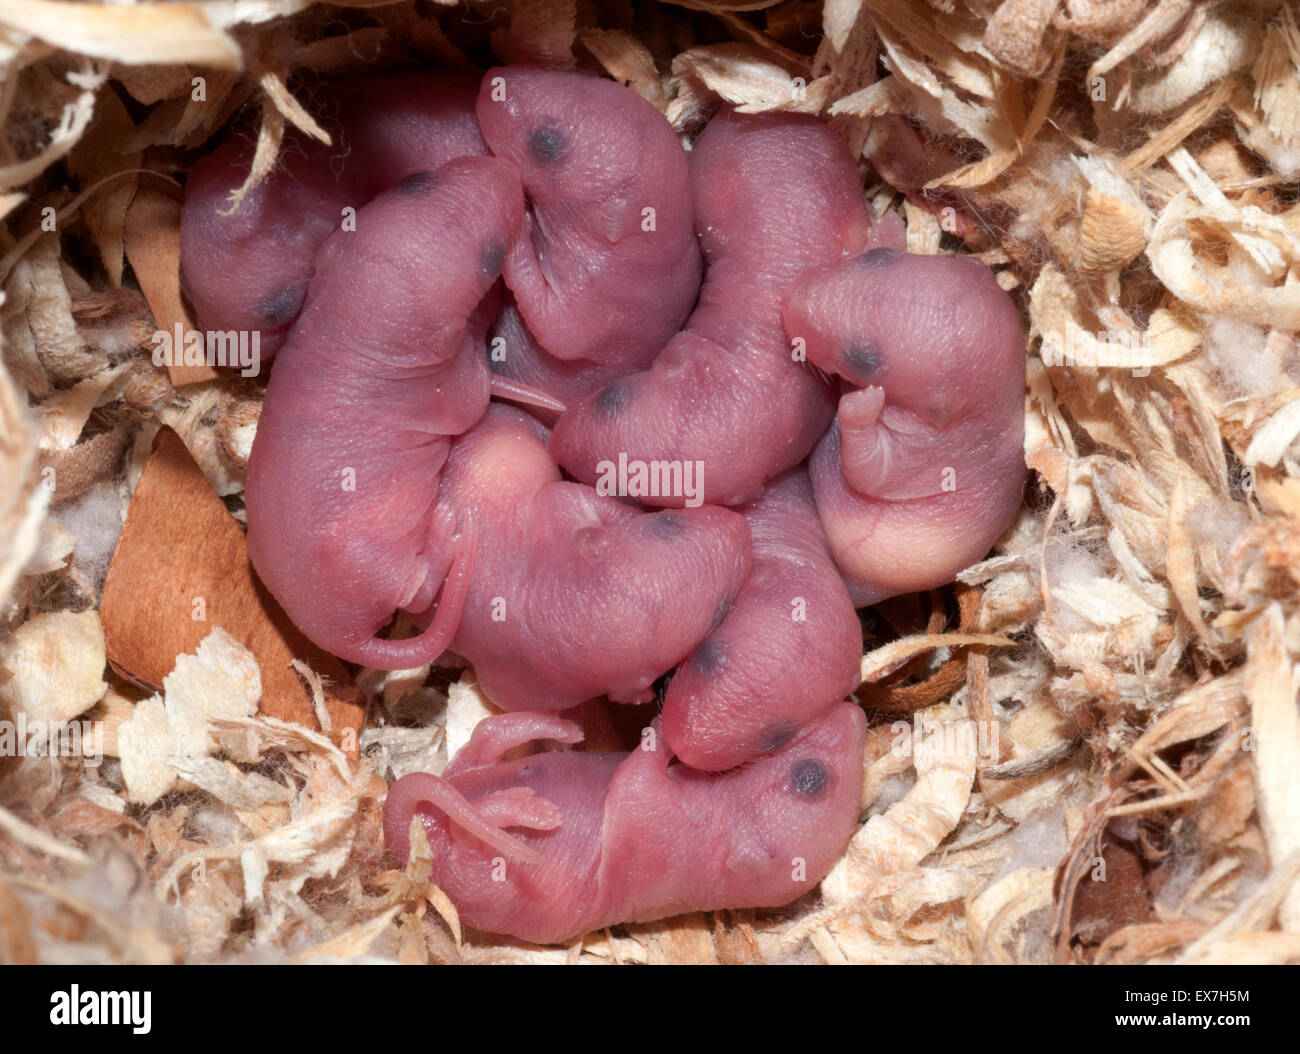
x: 737, y: 944
x: 17, y: 945
x: 79, y: 468
x: 181, y: 554
x: 1137, y: 943
x: 153, y: 245
x: 895, y: 696
x: 1111, y: 896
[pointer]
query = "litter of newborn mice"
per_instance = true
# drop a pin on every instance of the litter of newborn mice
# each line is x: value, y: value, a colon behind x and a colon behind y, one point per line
x: 555, y: 592
x: 650, y: 482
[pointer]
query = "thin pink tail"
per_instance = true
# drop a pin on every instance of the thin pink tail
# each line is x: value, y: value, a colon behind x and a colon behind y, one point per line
x: 420, y: 788
x: 518, y: 392
x: 436, y: 638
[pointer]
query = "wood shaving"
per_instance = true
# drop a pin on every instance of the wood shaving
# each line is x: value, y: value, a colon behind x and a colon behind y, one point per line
x: 168, y: 736
x: 54, y: 666
x: 1125, y: 170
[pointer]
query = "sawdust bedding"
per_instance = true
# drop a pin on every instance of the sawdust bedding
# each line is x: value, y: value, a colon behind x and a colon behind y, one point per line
x: 1083, y: 751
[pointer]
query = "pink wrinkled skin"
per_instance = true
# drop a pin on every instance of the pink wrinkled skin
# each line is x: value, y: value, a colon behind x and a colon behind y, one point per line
x: 775, y: 194
x: 925, y: 465
x: 575, y: 595
x: 525, y: 362
x: 857, y: 413
x: 382, y: 367
x: 790, y: 647
x: 599, y: 294
x: 250, y: 270
x: 597, y: 839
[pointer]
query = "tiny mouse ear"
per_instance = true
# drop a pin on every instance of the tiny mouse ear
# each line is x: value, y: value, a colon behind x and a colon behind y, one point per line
x: 888, y: 231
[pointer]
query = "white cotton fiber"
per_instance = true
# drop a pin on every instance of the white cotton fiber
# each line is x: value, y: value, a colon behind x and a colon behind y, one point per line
x: 95, y: 517
x: 1238, y: 354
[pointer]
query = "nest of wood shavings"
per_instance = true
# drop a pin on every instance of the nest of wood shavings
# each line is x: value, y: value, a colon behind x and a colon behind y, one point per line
x: 1084, y: 751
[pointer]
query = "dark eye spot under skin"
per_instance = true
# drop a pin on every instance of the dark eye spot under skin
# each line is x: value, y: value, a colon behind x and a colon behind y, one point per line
x: 709, y: 657
x: 878, y: 258
x: 666, y: 525
x: 809, y: 778
x: 720, y: 612
x: 280, y: 308
x: 494, y: 256
x: 862, y: 358
x: 546, y: 144
x: 775, y: 736
x: 416, y: 183
x: 612, y: 398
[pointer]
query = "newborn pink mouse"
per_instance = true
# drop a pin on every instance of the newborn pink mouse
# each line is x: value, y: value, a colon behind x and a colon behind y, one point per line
x: 382, y: 367
x: 925, y: 465
x: 575, y: 595
x: 606, y: 267
x: 558, y: 844
x: 775, y: 194
x: 249, y: 270
x: 790, y: 648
